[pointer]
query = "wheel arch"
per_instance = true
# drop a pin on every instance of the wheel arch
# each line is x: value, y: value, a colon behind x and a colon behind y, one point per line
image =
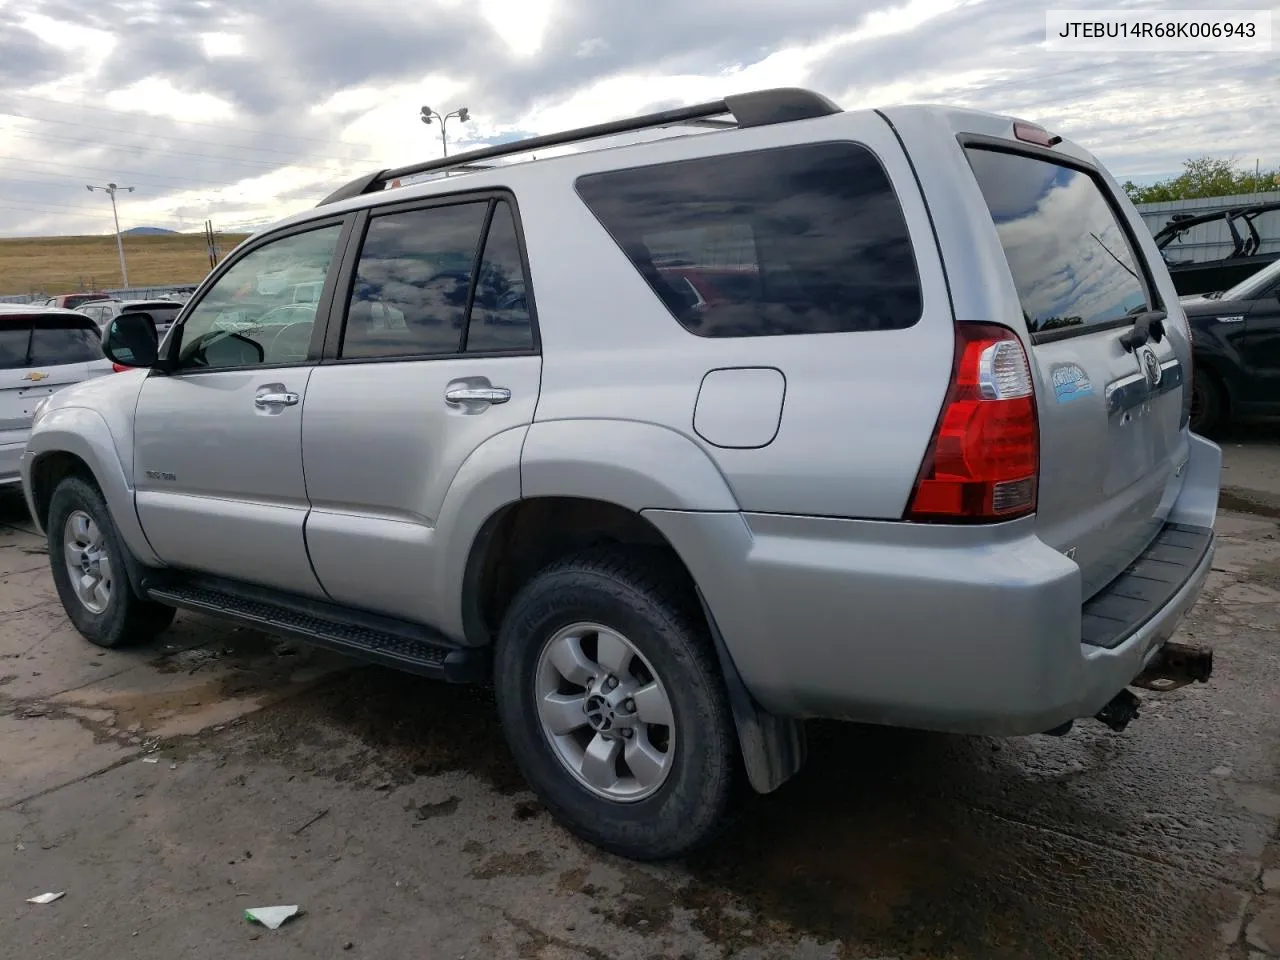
x: 78, y: 441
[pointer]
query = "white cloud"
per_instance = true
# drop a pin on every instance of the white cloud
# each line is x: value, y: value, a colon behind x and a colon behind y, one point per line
x: 247, y: 111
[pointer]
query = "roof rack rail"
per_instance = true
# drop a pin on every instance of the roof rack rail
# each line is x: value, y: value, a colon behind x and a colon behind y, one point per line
x: 758, y: 109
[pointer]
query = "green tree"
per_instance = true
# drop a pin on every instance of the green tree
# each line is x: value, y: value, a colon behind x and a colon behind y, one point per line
x: 1205, y: 177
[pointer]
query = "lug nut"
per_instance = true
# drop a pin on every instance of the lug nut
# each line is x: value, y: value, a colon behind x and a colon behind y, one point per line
x: 612, y: 683
x: 630, y: 706
x: 627, y: 733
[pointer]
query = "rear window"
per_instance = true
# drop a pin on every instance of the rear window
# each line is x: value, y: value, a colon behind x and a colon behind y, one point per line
x: 48, y: 342
x: 14, y: 340
x: 1071, y: 260
x: 812, y: 236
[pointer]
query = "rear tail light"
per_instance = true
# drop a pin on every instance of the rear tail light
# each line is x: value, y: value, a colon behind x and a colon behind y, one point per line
x: 119, y: 368
x: 984, y: 459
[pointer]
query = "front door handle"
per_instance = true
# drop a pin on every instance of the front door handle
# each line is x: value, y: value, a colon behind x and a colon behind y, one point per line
x: 460, y: 395
x: 275, y: 400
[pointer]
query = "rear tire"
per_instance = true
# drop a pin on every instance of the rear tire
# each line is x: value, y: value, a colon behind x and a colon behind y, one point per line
x: 1208, y: 404
x: 587, y: 634
x: 86, y: 557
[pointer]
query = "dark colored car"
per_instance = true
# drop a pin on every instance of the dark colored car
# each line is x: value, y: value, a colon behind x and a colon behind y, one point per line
x: 1204, y: 276
x: 1236, y: 347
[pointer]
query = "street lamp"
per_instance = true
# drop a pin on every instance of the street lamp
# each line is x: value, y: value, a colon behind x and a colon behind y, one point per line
x: 110, y: 189
x: 427, y: 115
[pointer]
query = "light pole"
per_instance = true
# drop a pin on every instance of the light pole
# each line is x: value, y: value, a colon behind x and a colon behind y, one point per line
x: 110, y: 189
x: 427, y: 115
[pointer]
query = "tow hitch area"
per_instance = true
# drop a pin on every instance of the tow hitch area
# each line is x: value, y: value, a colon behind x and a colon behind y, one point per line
x: 1122, y: 708
x: 1176, y: 665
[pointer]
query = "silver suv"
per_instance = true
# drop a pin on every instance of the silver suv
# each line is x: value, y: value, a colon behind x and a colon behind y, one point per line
x: 873, y: 415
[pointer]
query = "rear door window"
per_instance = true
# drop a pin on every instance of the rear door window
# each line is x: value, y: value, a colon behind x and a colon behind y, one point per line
x: 1072, y: 262
x: 793, y: 240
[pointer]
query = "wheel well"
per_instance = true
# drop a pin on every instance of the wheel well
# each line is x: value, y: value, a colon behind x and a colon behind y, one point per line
x: 524, y: 538
x: 49, y: 471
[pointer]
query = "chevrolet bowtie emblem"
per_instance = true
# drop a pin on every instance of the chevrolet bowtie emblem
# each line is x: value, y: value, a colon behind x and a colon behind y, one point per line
x: 35, y: 375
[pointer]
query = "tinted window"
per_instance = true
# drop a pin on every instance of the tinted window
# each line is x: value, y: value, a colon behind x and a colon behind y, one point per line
x: 58, y: 341
x: 14, y: 339
x: 500, y: 317
x: 409, y: 298
x: 812, y: 237
x: 248, y: 316
x: 1070, y: 259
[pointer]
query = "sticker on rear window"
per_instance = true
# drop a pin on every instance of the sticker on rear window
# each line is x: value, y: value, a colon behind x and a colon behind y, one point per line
x: 1070, y: 382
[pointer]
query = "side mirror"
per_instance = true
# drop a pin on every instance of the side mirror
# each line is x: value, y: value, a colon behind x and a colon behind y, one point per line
x: 131, y: 340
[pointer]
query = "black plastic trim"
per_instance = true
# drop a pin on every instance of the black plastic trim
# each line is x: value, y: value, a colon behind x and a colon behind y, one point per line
x: 1147, y: 585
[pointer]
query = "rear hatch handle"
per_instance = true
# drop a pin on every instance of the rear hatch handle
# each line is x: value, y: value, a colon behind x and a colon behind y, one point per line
x: 1147, y: 326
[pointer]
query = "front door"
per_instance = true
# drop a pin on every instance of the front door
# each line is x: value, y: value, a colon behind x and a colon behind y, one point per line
x: 437, y: 357
x: 218, y: 440
x: 1259, y: 347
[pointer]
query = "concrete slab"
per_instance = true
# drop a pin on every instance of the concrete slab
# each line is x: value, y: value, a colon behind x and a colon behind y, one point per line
x: 43, y: 751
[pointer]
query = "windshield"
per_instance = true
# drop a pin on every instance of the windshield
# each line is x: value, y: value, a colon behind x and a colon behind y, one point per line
x: 1251, y: 286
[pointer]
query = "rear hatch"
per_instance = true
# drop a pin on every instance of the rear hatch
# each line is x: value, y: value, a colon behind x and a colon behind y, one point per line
x: 1112, y: 444
x: 39, y: 355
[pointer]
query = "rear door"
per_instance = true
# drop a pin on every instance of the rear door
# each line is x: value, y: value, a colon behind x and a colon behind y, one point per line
x: 437, y: 355
x: 1112, y: 444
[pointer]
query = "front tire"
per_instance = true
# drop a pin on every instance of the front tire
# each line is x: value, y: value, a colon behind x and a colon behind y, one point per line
x: 86, y: 557
x: 613, y: 705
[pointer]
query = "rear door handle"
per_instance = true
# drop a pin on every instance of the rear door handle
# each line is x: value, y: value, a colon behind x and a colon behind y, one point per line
x: 275, y: 400
x: 460, y: 395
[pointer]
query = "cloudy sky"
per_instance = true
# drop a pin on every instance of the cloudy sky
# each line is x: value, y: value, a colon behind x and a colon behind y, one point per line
x: 244, y: 111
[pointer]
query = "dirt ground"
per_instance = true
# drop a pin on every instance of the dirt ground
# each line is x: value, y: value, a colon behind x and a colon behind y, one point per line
x: 165, y: 790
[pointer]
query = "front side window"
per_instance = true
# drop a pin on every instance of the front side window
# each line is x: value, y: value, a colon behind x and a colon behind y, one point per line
x: 1070, y: 259
x: 249, y: 315
x: 794, y: 240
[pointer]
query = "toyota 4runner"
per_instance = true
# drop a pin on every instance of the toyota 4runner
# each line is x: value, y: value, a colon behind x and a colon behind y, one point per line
x: 877, y: 415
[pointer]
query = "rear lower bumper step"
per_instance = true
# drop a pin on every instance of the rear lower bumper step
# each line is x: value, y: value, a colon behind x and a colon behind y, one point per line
x: 341, y: 634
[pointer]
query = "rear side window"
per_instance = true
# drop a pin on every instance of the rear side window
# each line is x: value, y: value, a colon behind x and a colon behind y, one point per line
x: 1071, y: 260
x: 795, y: 240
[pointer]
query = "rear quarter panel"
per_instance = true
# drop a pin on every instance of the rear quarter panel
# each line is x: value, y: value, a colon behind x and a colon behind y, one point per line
x: 859, y: 408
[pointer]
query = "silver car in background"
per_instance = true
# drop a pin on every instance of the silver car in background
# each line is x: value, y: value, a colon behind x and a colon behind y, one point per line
x: 42, y: 350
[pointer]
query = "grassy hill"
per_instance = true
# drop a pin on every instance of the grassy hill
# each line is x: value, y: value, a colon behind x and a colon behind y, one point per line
x: 56, y: 265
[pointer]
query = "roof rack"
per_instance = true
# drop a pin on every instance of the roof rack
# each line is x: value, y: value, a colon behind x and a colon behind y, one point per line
x: 758, y: 109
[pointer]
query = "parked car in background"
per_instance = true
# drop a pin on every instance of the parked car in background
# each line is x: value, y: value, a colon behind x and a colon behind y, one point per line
x: 1245, y: 259
x: 70, y: 301
x: 929, y: 467
x: 163, y: 312
x: 1235, y: 338
x: 42, y: 350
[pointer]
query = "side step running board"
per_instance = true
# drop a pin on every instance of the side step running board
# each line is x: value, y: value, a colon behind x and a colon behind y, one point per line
x: 367, y: 637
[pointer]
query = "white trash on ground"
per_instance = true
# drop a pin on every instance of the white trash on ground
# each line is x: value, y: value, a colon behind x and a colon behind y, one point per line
x: 270, y: 917
x: 46, y: 898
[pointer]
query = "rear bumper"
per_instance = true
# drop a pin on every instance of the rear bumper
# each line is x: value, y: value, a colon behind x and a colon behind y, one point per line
x: 11, y: 463
x: 960, y: 630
